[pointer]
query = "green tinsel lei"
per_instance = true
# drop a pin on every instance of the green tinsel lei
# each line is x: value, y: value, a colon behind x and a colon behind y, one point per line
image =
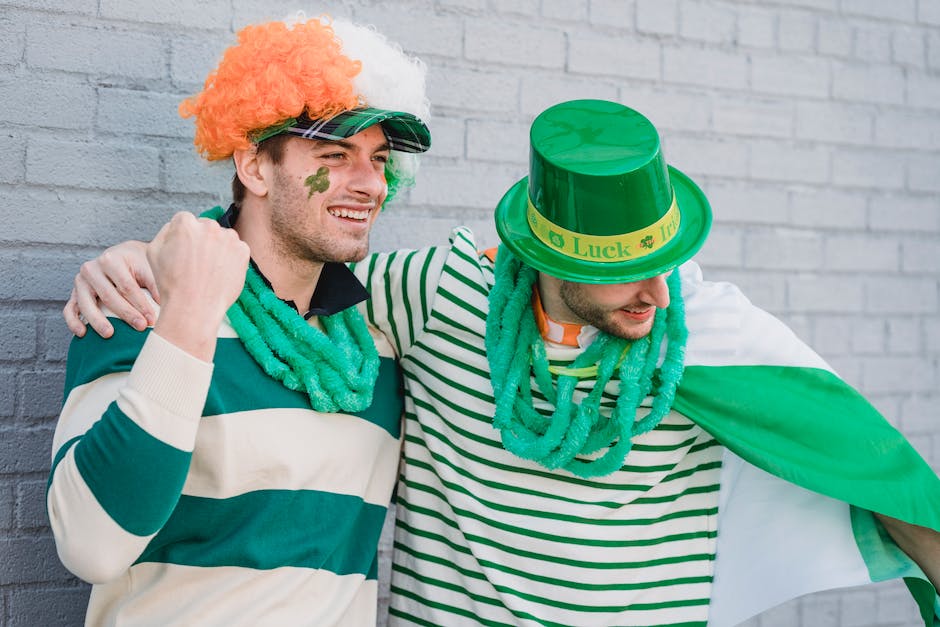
x: 516, y: 352
x: 336, y: 369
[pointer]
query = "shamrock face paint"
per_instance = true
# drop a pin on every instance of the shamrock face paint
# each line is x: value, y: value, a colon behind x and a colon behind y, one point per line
x: 319, y: 182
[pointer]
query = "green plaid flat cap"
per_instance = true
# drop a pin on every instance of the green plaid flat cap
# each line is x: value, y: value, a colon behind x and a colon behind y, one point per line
x: 404, y: 131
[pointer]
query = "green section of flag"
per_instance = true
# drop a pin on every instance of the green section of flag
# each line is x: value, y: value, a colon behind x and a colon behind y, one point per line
x: 807, y: 426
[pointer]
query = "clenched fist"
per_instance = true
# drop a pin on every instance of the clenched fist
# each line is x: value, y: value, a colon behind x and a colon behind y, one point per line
x: 199, y: 269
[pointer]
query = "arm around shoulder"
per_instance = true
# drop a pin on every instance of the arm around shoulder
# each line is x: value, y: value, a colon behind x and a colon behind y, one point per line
x: 115, y: 280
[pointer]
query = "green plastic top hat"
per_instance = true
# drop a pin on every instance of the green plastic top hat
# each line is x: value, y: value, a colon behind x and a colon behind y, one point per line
x: 600, y: 205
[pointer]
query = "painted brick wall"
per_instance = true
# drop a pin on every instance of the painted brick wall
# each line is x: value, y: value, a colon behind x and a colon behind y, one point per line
x: 814, y: 126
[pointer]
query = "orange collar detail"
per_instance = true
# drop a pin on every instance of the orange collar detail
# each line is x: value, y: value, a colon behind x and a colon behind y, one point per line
x: 564, y: 333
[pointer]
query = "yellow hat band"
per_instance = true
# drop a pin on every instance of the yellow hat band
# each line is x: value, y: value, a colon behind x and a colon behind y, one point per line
x: 605, y: 248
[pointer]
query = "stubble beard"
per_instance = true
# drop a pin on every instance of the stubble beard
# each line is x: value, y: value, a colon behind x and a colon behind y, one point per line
x: 289, y: 212
x: 601, y: 318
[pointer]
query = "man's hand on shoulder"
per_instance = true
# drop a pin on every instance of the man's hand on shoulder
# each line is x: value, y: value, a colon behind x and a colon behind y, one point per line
x: 199, y: 269
x: 115, y: 280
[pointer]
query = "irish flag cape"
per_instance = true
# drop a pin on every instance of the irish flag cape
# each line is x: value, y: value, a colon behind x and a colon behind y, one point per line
x: 807, y: 461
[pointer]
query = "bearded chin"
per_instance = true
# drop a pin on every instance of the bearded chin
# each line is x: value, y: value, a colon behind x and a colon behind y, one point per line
x: 325, y: 250
x: 359, y: 254
x: 631, y: 333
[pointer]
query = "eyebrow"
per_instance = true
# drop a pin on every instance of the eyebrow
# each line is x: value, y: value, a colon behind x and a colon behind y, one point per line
x: 342, y: 143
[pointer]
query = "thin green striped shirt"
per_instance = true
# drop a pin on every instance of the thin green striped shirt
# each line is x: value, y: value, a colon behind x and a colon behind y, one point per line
x: 484, y: 537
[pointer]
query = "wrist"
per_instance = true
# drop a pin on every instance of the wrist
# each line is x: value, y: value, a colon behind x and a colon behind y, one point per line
x: 195, y: 334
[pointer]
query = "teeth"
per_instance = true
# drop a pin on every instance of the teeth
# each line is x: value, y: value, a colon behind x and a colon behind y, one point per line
x: 349, y: 213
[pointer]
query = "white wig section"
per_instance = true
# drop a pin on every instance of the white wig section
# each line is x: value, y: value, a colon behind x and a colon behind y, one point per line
x: 389, y: 79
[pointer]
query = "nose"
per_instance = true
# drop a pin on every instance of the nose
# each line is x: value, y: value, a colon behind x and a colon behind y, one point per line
x: 655, y: 291
x: 368, y: 179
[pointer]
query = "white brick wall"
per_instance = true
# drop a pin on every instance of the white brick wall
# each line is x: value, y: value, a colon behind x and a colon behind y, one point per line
x: 813, y: 125
x: 128, y: 53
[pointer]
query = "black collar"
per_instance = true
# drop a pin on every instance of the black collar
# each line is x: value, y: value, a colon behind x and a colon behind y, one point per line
x: 336, y: 290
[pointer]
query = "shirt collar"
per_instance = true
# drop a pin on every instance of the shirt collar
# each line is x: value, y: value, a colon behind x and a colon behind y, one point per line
x: 564, y: 333
x: 337, y: 288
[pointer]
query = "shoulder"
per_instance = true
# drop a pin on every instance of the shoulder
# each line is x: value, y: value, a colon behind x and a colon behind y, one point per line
x: 427, y: 265
x: 467, y: 263
x: 91, y: 357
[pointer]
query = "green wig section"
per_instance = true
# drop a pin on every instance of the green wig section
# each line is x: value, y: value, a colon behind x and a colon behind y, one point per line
x: 399, y: 176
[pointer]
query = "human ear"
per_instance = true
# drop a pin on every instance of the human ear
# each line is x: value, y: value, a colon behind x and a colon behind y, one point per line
x: 248, y: 168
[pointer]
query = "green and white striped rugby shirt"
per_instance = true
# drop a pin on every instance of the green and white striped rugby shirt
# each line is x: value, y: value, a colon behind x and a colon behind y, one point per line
x: 197, y: 494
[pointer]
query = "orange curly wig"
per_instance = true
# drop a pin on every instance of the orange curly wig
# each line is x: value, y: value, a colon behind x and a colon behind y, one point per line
x: 273, y: 73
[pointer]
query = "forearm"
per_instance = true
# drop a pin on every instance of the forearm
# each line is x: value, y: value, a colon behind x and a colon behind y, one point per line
x: 120, y: 466
x: 920, y: 543
x: 194, y: 334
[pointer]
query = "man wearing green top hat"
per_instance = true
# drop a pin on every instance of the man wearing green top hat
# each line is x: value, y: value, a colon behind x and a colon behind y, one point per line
x: 596, y: 435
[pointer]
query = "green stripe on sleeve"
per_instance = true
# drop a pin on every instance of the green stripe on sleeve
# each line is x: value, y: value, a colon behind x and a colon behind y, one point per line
x: 465, y: 281
x: 423, y: 296
x: 392, y: 329
x: 268, y: 529
x: 458, y: 301
x: 399, y: 283
x: 135, y: 477
x: 91, y: 357
x: 367, y: 281
x: 406, y: 266
x: 466, y: 347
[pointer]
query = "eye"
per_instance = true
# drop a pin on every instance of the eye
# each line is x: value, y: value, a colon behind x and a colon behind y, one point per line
x: 334, y: 156
x: 383, y: 158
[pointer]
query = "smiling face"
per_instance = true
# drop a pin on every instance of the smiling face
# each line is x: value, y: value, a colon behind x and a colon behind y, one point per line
x: 325, y: 195
x: 624, y: 310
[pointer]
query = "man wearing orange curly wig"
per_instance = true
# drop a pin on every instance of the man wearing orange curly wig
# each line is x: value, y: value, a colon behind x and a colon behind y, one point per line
x: 233, y: 464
